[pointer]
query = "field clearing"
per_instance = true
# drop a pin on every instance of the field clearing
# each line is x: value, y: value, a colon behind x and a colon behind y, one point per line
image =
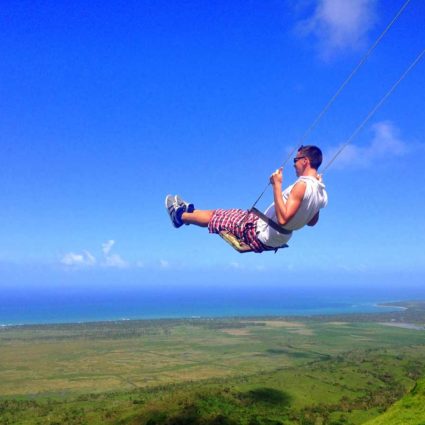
x: 75, y: 359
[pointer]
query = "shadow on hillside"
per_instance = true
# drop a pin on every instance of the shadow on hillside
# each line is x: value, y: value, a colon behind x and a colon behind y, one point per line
x: 205, y: 409
x: 267, y: 395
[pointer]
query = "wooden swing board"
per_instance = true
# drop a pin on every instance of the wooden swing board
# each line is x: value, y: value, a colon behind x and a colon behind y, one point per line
x: 234, y: 242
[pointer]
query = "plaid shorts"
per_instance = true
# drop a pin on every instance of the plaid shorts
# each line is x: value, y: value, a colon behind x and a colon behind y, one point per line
x: 242, y: 224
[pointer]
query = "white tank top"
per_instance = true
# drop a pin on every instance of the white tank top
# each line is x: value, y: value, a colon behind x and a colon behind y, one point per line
x: 315, y: 198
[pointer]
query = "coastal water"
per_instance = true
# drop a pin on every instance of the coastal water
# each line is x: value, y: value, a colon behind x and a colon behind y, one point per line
x: 30, y: 306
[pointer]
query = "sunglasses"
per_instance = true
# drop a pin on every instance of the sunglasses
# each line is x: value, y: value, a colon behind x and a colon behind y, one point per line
x: 297, y: 159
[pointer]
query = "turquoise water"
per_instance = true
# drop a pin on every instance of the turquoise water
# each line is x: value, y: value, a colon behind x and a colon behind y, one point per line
x: 81, y: 305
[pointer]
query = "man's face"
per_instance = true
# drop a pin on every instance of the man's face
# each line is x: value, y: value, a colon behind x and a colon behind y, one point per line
x: 300, y: 162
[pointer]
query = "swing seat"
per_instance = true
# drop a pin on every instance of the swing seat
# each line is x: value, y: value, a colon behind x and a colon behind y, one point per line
x: 241, y: 246
x: 234, y: 242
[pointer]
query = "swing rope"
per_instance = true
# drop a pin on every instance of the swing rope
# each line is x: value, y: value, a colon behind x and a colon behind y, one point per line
x: 325, y: 109
x: 374, y: 109
x: 366, y: 119
x: 276, y: 226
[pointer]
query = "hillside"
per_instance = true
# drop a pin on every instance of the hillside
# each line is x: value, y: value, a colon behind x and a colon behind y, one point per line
x: 410, y: 410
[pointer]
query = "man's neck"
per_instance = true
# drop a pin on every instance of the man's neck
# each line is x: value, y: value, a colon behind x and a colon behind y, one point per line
x: 311, y: 172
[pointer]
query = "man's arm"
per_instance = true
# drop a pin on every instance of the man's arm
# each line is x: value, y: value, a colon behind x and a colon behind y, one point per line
x: 314, y: 220
x: 286, y: 210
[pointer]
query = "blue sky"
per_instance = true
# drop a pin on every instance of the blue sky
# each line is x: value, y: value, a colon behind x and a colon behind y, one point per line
x: 108, y: 106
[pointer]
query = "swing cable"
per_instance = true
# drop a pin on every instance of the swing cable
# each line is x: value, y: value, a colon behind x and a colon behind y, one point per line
x: 316, y: 121
x: 375, y: 109
x: 372, y: 112
x: 280, y: 228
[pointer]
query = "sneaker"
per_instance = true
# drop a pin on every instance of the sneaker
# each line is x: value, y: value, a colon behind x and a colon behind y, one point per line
x: 187, y: 205
x: 174, y: 210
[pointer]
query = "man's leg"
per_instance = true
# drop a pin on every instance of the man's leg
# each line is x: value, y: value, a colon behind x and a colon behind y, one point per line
x: 198, y: 217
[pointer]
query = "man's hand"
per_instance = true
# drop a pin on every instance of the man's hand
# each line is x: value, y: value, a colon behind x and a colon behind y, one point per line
x: 276, y: 178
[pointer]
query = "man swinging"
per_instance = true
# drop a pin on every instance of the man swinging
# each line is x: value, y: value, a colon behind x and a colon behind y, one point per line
x: 298, y: 205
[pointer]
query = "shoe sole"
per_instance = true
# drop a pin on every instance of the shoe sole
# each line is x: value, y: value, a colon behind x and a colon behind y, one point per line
x: 169, y: 205
x: 169, y: 202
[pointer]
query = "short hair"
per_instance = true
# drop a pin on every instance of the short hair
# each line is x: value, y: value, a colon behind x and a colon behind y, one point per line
x: 313, y: 153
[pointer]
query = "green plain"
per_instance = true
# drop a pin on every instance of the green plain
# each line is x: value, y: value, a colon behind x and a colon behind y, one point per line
x: 311, y: 371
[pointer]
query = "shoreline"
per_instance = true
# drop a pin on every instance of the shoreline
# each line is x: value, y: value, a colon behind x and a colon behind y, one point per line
x: 396, y: 307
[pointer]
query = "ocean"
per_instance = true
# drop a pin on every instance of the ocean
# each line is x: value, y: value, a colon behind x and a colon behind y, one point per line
x: 70, y: 305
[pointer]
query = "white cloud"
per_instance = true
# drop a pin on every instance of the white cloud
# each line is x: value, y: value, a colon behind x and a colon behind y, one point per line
x: 115, y: 260
x: 107, y: 246
x: 87, y: 259
x: 74, y: 259
x: 385, y: 144
x: 112, y: 260
x: 339, y: 25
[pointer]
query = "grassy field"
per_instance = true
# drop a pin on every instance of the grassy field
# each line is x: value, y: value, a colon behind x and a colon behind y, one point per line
x: 327, y: 370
